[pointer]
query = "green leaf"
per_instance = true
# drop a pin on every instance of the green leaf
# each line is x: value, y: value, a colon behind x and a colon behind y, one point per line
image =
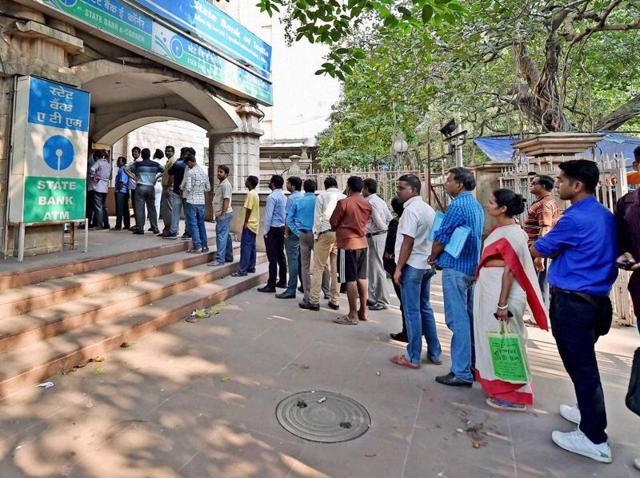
x: 427, y: 13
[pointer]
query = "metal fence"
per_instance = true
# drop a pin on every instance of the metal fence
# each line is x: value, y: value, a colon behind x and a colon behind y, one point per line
x: 612, y: 185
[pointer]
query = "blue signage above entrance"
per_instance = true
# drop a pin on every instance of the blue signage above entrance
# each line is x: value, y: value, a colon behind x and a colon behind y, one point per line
x: 53, y: 104
x: 208, y: 22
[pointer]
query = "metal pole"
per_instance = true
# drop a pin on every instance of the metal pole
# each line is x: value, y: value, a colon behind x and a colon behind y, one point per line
x: 429, y: 164
x: 86, y: 234
x: 21, y: 236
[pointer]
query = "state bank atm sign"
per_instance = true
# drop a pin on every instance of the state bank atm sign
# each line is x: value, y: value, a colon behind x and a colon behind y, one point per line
x: 50, y: 147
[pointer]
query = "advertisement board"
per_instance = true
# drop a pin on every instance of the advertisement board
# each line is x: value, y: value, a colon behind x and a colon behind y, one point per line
x: 50, y: 149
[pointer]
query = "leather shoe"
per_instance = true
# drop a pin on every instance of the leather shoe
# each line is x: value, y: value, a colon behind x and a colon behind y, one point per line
x: 400, y: 337
x: 281, y: 285
x: 309, y: 306
x: 378, y: 306
x: 267, y: 289
x: 333, y: 306
x: 300, y: 289
x: 453, y: 381
x: 286, y: 295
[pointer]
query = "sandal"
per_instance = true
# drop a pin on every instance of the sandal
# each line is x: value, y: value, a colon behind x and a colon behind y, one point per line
x: 505, y: 405
x: 403, y: 362
x: 345, y: 320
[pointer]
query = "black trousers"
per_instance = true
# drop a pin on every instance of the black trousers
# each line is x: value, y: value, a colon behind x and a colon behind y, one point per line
x: 577, y: 323
x: 122, y: 210
x: 274, y: 243
x: 89, y: 207
x: 390, y: 268
x: 100, y: 214
x: 146, y: 196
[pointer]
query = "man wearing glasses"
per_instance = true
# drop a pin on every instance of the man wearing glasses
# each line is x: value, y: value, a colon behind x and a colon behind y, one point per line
x: 541, y: 217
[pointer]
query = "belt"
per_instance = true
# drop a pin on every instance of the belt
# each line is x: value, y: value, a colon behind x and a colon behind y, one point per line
x: 591, y: 299
x: 371, y: 234
x: 324, y: 232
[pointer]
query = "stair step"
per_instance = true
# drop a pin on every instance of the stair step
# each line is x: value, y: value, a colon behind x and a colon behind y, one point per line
x: 21, y: 330
x: 38, y: 274
x: 45, y: 358
x: 22, y: 300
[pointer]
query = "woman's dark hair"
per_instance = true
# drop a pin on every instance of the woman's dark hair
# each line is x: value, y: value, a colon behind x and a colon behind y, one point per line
x: 397, y: 205
x: 512, y: 201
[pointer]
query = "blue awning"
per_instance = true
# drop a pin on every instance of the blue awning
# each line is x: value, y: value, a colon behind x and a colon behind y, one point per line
x: 501, y: 149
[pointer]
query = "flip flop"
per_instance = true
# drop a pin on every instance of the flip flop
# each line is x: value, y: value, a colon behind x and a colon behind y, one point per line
x: 345, y: 320
x: 403, y: 362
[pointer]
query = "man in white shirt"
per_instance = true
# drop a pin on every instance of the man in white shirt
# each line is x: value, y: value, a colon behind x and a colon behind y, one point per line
x: 413, y: 274
x: 100, y: 174
x: 324, y: 247
x: 376, y: 232
x: 224, y: 214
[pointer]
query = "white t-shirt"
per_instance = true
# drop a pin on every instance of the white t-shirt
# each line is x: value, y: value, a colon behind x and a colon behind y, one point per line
x: 223, y: 191
x: 416, y: 221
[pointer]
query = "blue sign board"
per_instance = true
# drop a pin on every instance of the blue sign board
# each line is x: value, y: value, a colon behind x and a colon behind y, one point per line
x: 53, y: 104
x: 208, y: 22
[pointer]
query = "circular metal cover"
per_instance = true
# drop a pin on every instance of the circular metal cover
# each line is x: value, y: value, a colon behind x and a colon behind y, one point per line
x: 325, y: 417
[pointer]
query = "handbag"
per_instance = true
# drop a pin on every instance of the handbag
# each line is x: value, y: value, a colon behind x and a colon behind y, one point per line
x: 633, y: 394
x: 507, y: 355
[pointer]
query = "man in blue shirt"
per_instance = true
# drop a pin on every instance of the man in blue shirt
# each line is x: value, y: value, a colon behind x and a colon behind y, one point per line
x: 274, y: 235
x: 292, y: 241
x: 584, y: 246
x: 122, y: 196
x: 459, y: 272
x: 300, y: 221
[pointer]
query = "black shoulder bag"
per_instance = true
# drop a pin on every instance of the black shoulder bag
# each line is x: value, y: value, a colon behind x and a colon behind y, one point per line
x: 633, y: 394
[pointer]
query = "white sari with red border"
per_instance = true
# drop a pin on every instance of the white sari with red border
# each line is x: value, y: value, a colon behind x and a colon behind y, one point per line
x: 508, y: 243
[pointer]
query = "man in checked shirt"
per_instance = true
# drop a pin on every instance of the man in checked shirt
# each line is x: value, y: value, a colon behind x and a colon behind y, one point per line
x: 541, y: 217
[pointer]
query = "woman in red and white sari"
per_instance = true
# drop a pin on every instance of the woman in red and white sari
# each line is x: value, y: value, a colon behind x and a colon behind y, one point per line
x: 506, y: 283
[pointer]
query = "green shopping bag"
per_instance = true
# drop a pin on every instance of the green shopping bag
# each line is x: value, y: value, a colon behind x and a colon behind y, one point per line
x: 507, y: 355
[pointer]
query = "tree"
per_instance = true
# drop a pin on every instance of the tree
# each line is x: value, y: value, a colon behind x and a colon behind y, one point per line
x: 545, y: 48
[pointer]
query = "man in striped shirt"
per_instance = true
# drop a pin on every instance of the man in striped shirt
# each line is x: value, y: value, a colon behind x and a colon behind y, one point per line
x: 459, y: 272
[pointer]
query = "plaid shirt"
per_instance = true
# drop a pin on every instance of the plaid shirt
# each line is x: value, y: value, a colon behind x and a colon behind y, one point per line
x: 534, y: 223
x: 195, y: 184
x: 464, y: 210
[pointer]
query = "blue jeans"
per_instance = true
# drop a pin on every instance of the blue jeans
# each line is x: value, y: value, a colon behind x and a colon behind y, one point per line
x: 418, y: 313
x: 223, y: 239
x: 195, y: 219
x: 247, y: 251
x: 458, y: 313
x: 292, y: 248
x: 177, y: 203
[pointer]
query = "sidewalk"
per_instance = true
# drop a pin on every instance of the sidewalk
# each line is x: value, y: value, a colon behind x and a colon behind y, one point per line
x: 198, y: 400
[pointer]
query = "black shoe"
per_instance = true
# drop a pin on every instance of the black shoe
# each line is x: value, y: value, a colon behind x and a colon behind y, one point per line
x: 238, y: 274
x: 156, y: 231
x: 370, y: 302
x: 139, y: 233
x: 185, y: 237
x: 286, y: 295
x: 205, y: 249
x: 301, y: 290
x: 333, y: 306
x: 152, y: 230
x: 267, y: 289
x: 281, y: 285
x: 116, y: 228
x: 251, y: 271
x: 453, y: 381
x: 378, y: 306
x: 170, y: 236
x: 309, y: 306
x: 400, y: 337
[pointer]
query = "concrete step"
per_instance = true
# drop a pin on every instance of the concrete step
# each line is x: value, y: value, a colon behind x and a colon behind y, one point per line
x: 40, y: 360
x: 21, y: 330
x: 21, y: 300
x: 35, y: 275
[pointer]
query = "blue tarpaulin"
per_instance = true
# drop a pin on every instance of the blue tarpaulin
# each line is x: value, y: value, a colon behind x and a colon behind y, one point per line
x: 501, y: 149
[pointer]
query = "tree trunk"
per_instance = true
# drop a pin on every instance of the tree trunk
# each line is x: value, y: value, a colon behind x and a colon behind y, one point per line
x: 621, y: 115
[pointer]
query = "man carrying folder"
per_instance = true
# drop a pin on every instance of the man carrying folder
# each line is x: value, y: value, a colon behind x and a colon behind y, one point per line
x: 464, y: 212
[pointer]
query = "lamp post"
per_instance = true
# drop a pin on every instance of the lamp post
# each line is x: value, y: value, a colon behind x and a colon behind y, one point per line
x: 399, y: 148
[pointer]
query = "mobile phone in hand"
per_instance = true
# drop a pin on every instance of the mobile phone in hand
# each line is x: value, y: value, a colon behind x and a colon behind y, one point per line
x: 509, y: 315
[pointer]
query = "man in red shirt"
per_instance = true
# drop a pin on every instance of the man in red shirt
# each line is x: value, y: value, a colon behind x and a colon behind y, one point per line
x: 349, y: 220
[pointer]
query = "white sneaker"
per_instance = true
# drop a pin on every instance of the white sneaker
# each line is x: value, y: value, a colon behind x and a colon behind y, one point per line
x: 577, y: 442
x: 636, y: 463
x: 570, y: 413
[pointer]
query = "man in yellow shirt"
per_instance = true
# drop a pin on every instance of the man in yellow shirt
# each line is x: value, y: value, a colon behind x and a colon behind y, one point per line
x: 249, y: 229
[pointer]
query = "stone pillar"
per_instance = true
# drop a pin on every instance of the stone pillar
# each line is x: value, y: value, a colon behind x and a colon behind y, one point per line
x: 239, y: 150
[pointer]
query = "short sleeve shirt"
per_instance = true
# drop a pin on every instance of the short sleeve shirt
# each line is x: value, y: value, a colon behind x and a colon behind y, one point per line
x: 223, y: 191
x: 416, y: 221
x: 252, y: 202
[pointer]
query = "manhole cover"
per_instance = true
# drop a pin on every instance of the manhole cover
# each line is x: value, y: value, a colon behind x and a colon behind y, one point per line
x: 325, y: 417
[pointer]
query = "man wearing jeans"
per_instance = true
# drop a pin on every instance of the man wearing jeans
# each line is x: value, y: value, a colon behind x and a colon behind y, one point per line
x: 413, y: 274
x: 196, y: 184
x: 224, y: 214
x: 458, y: 274
x: 146, y: 174
x: 176, y: 171
x: 292, y: 239
x: 250, y: 226
x: 584, y: 246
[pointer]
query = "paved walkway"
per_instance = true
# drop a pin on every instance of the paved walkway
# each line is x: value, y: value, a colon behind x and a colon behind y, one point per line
x: 198, y: 399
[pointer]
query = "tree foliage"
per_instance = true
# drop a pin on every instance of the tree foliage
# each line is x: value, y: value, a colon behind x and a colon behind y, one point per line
x: 500, y: 67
